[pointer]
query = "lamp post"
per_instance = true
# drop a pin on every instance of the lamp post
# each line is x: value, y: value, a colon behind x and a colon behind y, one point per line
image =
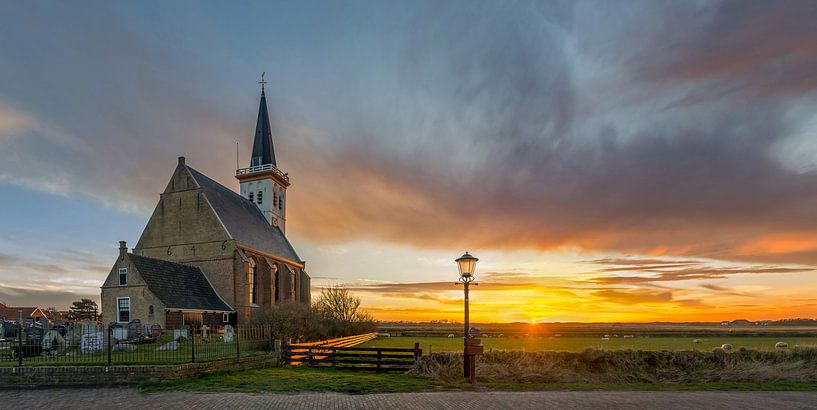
x: 466, y: 264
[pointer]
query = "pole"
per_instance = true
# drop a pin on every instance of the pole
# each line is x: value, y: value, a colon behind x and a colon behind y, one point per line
x: 466, y: 359
x: 109, y: 344
x: 193, y: 344
x: 237, y: 347
x: 20, y: 340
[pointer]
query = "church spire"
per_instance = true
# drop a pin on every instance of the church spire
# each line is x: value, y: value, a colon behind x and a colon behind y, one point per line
x: 263, y: 152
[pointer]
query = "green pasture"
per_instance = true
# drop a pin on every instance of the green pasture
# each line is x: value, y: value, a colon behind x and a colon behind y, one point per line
x: 577, y: 344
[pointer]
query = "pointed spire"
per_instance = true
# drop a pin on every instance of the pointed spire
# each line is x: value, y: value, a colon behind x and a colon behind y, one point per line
x: 262, y: 150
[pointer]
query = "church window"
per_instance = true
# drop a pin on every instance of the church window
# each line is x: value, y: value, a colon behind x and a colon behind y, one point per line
x: 251, y: 197
x: 150, y: 311
x: 251, y: 281
x: 260, y: 198
x: 274, y: 200
x: 123, y: 310
x: 123, y: 276
x: 281, y: 203
x: 225, y: 318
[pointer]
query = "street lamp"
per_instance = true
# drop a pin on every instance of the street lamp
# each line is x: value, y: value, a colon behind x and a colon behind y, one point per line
x: 471, y: 347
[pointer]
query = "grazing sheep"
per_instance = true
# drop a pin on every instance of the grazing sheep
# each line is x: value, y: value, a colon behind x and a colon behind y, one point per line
x: 697, y: 341
x: 628, y: 336
x: 451, y: 335
x: 781, y: 345
x: 605, y: 339
x: 726, y: 346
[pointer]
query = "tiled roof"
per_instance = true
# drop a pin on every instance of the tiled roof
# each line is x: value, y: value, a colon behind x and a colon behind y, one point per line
x: 13, y: 312
x: 179, y: 286
x: 243, y: 220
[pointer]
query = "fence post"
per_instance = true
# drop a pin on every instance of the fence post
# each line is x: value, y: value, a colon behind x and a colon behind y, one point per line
x: 109, y: 345
x: 192, y: 344
x: 379, y: 359
x: 237, y: 347
x: 417, y: 351
x: 277, y: 355
x: 20, y: 343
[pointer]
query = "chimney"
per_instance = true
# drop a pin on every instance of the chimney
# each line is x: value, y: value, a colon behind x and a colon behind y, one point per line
x: 181, y: 160
x: 123, y: 249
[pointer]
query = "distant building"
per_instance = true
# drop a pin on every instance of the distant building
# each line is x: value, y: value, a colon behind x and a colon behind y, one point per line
x: 209, y: 254
x: 14, y: 312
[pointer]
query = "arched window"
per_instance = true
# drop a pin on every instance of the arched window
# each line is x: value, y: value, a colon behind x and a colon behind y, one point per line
x: 281, y: 203
x: 251, y: 282
x: 251, y: 197
x: 260, y: 198
x: 150, y: 311
x: 274, y: 199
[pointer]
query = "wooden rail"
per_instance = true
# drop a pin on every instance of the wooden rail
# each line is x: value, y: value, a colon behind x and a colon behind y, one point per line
x: 341, y: 353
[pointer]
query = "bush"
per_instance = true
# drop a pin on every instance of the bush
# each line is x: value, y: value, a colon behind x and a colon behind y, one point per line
x: 627, y: 366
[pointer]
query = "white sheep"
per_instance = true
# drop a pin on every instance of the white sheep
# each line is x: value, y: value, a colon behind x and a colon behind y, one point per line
x: 726, y: 346
x: 697, y: 341
x: 451, y: 335
x: 781, y: 345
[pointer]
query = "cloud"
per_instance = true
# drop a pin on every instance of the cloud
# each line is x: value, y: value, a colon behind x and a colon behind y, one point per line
x: 24, y: 296
x: 633, y: 297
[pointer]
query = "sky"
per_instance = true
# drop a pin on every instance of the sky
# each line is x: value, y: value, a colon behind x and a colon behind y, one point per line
x: 605, y: 161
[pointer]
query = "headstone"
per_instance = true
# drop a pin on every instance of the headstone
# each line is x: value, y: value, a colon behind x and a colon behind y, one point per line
x: 174, y: 345
x: 87, y: 326
x: 44, y: 324
x: 180, y: 333
x: 53, y: 342
x: 155, y: 331
x: 135, y: 329
x: 229, y: 333
x: 124, y: 347
x: 118, y: 332
x: 91, y: 342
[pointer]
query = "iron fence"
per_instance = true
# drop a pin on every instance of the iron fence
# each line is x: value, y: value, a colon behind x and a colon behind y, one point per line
x: 131, y: 344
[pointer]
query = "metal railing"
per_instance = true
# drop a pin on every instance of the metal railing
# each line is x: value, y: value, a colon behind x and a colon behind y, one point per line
x: 92, y: 344
x: 262, y: 168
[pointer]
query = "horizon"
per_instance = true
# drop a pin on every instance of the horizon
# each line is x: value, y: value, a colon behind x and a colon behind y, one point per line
x: 663, y: 165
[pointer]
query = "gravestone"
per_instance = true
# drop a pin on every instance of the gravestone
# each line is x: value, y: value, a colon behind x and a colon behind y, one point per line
x: 92, y: 342
x: 44, y: 324
x: 53, y: 343
x: 180, y: 333
x: 135, y: 329
x: 229, y: 333
x: 118, y: 332
x: 155, y: 331
x: 174, y: 345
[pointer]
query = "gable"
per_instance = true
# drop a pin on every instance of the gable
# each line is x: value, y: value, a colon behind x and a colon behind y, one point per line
x: 183, y: 224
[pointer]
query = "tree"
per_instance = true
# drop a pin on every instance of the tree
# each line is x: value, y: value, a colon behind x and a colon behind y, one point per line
x: 338, y: 303
x: 85, y: 309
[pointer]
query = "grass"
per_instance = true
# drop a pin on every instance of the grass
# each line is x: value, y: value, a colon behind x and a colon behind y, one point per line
x: 578, y: 344
x: 300, y: 379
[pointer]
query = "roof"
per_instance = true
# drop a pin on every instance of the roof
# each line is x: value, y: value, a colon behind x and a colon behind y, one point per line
x: 262, y: 150
x: 243, y: 220
x: 13, y: 312
x: 179, y: 286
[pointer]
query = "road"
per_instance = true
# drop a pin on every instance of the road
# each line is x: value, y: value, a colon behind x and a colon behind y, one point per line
x: 84, y: 398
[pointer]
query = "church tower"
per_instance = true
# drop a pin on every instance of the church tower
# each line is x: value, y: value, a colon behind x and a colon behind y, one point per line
x: 263, y: 183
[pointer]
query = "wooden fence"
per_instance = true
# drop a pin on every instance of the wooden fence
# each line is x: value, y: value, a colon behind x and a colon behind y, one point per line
x: 341, y: 354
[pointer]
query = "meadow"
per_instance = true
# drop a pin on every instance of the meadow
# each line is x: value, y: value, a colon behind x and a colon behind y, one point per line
x: 578, y: 344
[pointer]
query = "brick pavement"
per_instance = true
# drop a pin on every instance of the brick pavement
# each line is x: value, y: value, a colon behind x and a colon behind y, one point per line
x: 87, y: 398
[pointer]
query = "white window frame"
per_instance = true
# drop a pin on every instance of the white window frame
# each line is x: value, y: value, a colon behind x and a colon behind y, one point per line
x: 118, y: 311
x: 121, y: 271
x: 225, y: 318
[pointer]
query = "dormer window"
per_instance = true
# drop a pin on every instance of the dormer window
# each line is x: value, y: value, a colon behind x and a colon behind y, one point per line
x: 251, y: 197
x: 260, y: 198
x: 123, y: 276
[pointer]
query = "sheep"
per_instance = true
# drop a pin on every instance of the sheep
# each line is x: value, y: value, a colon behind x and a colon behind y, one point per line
x: 451, y: 335
x: 781, y: 345
x: 726, y: 346
x: 628, y: 336
x: 605, y: 339
x: 697, y: 341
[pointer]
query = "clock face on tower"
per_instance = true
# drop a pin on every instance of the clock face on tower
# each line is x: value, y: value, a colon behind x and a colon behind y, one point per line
x: 274, y: 221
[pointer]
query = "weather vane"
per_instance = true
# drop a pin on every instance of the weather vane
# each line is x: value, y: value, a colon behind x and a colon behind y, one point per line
x: 262, y: 82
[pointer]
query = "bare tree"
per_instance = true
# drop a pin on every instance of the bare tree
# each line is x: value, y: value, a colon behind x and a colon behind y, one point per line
x: 339, y: 304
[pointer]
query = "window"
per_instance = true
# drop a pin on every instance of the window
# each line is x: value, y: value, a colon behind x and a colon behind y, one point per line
x: 150, y: 311
x: 225, y: 318
x: 123, y: 310
x: 274, y: 200
x: 251, y: 279
x: 260, y: 198
x: 251, y: 197
x: 281, y: 203
x: 123, y: 276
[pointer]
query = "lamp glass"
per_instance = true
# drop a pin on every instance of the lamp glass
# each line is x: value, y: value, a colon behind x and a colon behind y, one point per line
x: 466, y: 263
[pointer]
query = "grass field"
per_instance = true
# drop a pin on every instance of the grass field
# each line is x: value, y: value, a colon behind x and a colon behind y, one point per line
x: 577, y: 344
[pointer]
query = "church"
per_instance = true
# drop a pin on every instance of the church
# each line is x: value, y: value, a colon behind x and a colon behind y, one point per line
x: 208, y: 255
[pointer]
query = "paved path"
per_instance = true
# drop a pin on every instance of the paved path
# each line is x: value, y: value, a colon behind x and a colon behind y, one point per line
x: 130, y: 398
